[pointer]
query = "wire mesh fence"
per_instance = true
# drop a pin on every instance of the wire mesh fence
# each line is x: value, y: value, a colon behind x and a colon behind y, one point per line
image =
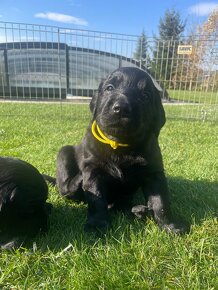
x: 47, y: 63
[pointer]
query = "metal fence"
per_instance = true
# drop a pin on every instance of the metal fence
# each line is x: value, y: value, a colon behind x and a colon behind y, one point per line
x: 39, y: 62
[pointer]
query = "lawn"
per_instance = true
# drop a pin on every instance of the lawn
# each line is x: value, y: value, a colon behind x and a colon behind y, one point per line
x: 133, y: 254
x: 201, y: 97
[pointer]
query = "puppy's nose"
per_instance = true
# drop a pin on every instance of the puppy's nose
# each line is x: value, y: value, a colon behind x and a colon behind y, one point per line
x: 121, y: 107
x: 116, y: 108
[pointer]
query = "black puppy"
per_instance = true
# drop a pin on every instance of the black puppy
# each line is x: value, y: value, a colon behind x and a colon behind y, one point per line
x: 23, y: 207
x: 120, y: 152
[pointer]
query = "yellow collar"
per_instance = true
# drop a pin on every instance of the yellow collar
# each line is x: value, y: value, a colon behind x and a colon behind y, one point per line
x: 97, y: 133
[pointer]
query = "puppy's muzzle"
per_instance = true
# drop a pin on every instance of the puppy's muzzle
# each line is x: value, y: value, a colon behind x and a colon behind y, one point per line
x: 121, y: 108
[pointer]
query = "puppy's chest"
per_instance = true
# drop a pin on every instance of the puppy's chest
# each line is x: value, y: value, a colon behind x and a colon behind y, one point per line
x: 128, y: 169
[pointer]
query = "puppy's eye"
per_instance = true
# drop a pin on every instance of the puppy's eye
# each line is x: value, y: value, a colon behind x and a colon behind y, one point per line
x: 109, y: 88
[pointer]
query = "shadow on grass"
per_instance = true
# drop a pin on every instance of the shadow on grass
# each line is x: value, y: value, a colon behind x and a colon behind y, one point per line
x: 191, y: 201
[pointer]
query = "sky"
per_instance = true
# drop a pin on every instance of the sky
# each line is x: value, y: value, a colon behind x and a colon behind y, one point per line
x: 128, y: 17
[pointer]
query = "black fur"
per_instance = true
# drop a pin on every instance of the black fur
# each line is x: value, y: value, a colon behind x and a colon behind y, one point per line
x: 128, y: 109
x: 23, y: 207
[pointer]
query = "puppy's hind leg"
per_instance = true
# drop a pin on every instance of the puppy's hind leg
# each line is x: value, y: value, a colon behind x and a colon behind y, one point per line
x: 68, y: 175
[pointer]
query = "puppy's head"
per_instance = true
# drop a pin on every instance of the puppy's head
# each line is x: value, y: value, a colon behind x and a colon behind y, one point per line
x: 128, y: 104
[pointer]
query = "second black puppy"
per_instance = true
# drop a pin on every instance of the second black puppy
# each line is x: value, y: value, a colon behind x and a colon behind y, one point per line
x: 120, y: 152
x: 23, y: 208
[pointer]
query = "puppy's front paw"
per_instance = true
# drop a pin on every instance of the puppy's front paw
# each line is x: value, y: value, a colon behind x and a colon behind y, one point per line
x: 140, y: 211
x: 176, y: 229
x: 14, y: 243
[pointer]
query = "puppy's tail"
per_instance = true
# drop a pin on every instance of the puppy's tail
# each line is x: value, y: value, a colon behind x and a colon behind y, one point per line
x: 49, y: 179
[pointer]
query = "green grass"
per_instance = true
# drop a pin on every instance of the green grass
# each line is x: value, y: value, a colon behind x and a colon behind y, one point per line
x: 201, y: 97
x: 133, y: 254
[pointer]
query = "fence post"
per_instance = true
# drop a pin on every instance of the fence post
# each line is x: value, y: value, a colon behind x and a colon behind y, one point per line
x: 59, y: 64
x: 67, y: 68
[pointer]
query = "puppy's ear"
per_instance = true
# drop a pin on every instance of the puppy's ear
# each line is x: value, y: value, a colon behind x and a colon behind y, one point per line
x: 159, y: 113
x: 159, y: 116
x: 93, y: 103
x: 157, y: 86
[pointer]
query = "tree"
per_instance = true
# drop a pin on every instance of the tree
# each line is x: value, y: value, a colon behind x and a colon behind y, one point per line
x: 164, y: 65
x: 203, y: 62
x: 171, y: 26
x: 141, y: 53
